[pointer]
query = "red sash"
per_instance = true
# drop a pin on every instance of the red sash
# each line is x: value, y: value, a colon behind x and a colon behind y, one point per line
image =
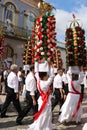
x: 44, y: 99
x: 80, y: 99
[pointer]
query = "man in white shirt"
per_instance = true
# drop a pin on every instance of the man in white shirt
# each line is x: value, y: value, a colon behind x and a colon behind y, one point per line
x: 65, y: 82
x: 58, y: 90
x: 12, y: 92
x: 30, y: 83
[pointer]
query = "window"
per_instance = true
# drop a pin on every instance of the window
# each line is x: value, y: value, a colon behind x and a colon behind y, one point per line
x: 30, y: 22
x: 9, y: 13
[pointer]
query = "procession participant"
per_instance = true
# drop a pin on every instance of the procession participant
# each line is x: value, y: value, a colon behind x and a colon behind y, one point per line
x: 84, y: 126
x: 55, y: 71
x: 85, y: 82
x: 82, y: 87
x: 25, y: 71
x: 58, y: 89
x: 52, y: 90
x: 24, y: 87
x: 65, y: 82
x: 30, y: 83
x: 12, y: 92
x: 2, y: 85
x: 20, y: 80
x: 5, y: 75
x: 43, y: 118
x: 72, y: 107
x: 0, y: 104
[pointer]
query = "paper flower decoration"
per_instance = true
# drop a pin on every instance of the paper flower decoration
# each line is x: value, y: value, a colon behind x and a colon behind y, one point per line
x: 58, y: 60
x: 44, y: 38
x: 75, y: 45
x: 28, y: 53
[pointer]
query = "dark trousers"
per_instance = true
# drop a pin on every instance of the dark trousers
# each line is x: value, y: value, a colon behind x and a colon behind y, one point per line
x: 10, y: 97
x: 82, y: 90
x: 28, y: 107
x: 6, y: 87
x: 65, y: 88
x: 57, y: 99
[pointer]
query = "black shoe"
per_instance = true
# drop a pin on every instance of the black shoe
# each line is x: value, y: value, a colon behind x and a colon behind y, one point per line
x: 59, y: 112
x: 4, y: 116
x: 78, y: 123
x: 19, y: 123
x: 64, y: 123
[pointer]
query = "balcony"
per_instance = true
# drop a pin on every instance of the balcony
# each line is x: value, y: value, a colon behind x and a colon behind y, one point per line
x: 11, y: 30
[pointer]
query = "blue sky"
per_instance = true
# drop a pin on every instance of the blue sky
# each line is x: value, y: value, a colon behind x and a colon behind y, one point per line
x: 63, y: 15
x: 67, y: 5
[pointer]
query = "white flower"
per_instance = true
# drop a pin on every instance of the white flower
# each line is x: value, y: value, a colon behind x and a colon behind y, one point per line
x: 40, y: 18
x: 37, y: 26
x: 39, y: 43
x: 42, y: 53
x: 41, y: 24
x: 35, y: 47
x: 38, y: 50
x: 36, y: 37
x: 52, y: 49
x: 41, y: 48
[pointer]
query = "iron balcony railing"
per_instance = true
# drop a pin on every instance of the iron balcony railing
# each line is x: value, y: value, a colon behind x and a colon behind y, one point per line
x: 16, y: 31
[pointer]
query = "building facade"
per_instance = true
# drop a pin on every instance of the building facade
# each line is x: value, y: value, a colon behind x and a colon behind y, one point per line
x: 16, y: 19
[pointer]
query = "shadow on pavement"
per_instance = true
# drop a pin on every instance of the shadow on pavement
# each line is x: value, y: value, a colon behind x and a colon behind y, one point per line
x: 8, y: 123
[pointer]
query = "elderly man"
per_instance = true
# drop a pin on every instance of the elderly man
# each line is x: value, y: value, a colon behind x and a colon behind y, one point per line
x: 12, y: 92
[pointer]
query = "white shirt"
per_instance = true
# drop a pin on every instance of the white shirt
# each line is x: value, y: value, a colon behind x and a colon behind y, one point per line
x: 30, y: 83
x: 85, y: 80
x: 57, y: 83
x: 19, y: 76
x: 12, y: 81
x: 5, y: 74
x: 64, y: 78
x: 46, y: 84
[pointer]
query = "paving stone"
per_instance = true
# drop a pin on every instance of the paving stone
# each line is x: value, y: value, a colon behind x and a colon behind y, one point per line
x: 10, y: 124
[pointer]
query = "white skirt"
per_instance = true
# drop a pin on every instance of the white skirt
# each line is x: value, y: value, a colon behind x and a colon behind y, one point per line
x: 69, y: 108
x: 44, y: 121
x: 84, y: 127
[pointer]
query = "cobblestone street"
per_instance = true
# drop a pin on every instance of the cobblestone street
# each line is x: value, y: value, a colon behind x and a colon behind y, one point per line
x: 9, y: 123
